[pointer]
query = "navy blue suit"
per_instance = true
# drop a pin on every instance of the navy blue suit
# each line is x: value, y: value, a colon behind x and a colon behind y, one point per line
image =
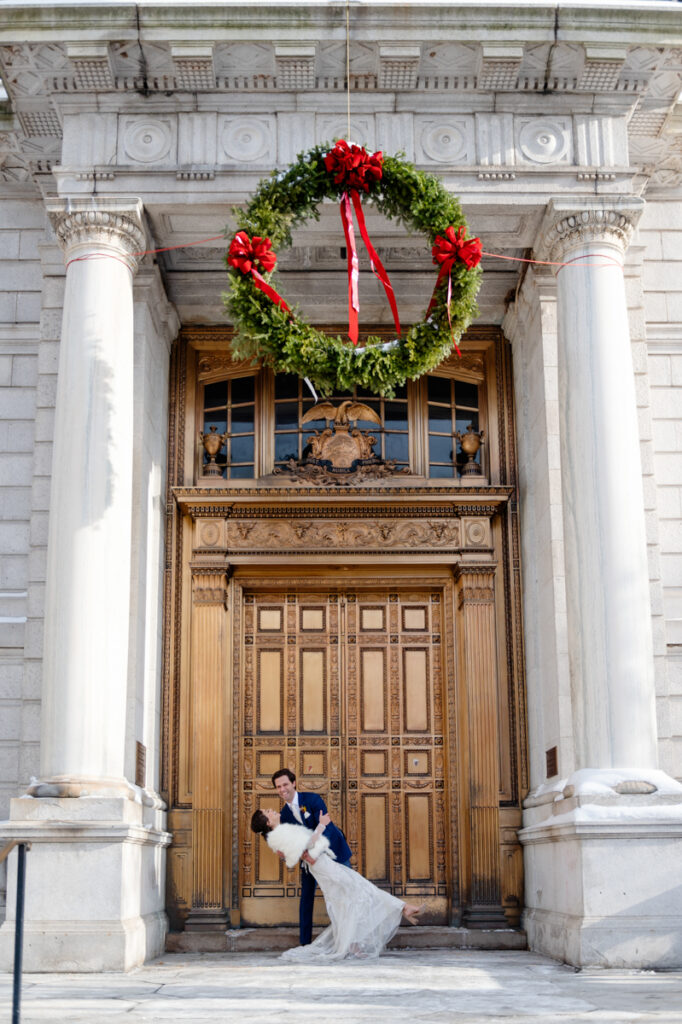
x: 311, y: 807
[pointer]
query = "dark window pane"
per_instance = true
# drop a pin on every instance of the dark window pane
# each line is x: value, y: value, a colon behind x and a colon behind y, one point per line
x: 464, y: 419
x: 286, y: 385
x: 215, y: 394
x: 211, y: 420
x: 395, y: 416
x: 242, y: 420
x: 242, y: 390
x: 370, y: 424
x: 440, y: 449
x: 439, y: 389
x: 286, y: 447
x: 466, y: 394
x: 397, y: 447
x: 442, y: 471
x: 241, y: 449
x: 286, y: 416
x: 241, y: 472
x: 440, y: 419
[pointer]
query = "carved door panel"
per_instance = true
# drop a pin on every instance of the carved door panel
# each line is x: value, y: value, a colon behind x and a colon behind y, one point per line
x: 345, y: 689
x: 393, y: 743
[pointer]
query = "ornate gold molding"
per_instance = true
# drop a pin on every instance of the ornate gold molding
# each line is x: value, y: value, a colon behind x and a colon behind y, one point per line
x: 209, y: 585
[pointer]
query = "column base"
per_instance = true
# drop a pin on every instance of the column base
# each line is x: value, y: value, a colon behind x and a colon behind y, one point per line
x: 95, y: 884
x: 603, y: 870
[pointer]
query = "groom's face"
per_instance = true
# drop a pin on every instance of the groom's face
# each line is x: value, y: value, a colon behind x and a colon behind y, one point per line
x: 285, y: 788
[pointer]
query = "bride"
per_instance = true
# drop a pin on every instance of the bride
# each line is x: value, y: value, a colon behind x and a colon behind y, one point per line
x: 363, y: 918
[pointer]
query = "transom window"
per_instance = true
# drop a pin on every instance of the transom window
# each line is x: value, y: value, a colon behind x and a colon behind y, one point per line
x: 293, y: 400
x: 230, y: 406
x: 259, y: 415
x: 451, y: 406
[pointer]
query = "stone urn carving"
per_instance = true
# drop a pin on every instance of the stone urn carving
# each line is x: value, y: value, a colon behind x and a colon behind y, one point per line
x: 470, y: 442
x: 212, y: 442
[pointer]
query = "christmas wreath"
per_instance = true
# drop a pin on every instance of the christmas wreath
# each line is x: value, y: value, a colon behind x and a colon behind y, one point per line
x: 269, y: 330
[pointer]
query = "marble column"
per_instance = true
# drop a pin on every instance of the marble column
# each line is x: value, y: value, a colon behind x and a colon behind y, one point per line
x: 603, y: 877
x: 87, y: 606
x: 95, y: 896
x: 607, y: 579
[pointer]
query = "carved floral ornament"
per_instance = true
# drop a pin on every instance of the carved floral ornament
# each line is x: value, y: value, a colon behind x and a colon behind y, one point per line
x: 80, y: 223
x: 565, y: 231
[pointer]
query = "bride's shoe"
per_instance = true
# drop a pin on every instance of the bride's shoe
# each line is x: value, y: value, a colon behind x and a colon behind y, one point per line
x: 414, y: 913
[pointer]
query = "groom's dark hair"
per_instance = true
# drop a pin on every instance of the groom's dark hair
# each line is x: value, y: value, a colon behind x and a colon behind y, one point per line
x: 283, y: 771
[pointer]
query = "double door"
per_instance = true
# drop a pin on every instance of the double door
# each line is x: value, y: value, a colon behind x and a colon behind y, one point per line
x: 345, y: 688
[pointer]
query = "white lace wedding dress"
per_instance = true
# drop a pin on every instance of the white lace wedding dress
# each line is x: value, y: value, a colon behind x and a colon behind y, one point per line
x: 363, y: 918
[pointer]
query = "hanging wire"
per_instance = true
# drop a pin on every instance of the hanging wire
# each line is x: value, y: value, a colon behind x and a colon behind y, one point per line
x: 348, y: 66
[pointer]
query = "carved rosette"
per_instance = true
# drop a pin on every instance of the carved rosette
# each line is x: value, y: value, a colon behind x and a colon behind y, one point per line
x: 608, y: 222
x: 110, y: 226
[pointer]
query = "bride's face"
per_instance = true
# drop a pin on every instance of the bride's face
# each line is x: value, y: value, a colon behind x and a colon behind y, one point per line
x: 272, y: 816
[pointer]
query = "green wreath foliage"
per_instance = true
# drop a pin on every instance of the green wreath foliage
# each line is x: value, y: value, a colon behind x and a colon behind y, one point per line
x: 286, y: 342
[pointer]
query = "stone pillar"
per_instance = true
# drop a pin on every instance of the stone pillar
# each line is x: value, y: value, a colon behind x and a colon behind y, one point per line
x: 208, y: 660
x: 87, y: 601
x: 601, y: 847
x: 475, y: 588
x: 607, y: 578
x: 96, y: 876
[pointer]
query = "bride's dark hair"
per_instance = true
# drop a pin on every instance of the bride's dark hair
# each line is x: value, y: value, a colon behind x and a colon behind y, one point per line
x: 259, y: 823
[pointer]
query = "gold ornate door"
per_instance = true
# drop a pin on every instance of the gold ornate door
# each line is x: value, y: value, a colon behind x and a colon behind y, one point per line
x: 345, y: 687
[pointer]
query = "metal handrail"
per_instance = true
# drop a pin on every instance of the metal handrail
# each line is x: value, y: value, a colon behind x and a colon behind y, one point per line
x: 23, y: 845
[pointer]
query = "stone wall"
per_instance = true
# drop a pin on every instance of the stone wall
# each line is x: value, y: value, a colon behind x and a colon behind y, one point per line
x: 661, y: 232
x: 21, y: 231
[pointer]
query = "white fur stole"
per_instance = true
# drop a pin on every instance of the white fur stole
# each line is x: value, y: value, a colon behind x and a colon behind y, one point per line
x: 292, y: 841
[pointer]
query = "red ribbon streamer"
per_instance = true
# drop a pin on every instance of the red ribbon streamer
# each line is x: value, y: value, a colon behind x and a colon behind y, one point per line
x: 377, y: 266
x: 246, y: 254
x: 353, y: 268
x: 354, y: 168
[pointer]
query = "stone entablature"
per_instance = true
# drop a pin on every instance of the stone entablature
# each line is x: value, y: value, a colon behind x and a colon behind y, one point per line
x: 497, y: 93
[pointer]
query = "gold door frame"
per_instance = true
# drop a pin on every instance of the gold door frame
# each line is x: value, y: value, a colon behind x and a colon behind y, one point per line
x: 465, y: 535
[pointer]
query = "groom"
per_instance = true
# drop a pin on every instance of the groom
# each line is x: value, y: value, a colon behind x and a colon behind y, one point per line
x: 305, y: 809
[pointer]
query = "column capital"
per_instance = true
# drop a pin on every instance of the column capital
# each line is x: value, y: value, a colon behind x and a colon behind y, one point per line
x: 476, y: 583
x: 110, y: 224
x: 567, y: 225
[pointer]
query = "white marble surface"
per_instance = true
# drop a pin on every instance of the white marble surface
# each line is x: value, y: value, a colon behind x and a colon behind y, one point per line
x: 430, y: 986
x: 87, y: 604
x: 607, y: 577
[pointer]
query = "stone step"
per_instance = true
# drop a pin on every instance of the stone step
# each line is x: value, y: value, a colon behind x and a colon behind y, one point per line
x: 259, y: 940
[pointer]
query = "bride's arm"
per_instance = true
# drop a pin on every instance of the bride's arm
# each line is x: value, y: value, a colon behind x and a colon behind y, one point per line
x: 325, y: 819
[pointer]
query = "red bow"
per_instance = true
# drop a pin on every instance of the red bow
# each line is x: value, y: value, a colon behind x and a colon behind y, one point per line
x: 354, y: 169
x: 252, y: 255
x: 447, y: 249
x: 352, y: 166
x: 453, y: 246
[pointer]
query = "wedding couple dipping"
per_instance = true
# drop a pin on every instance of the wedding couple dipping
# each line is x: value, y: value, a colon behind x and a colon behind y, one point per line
x: 363, y: 918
